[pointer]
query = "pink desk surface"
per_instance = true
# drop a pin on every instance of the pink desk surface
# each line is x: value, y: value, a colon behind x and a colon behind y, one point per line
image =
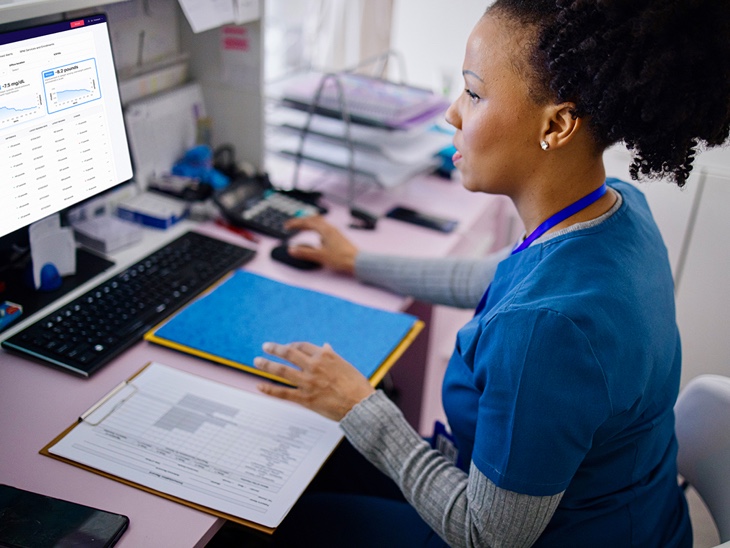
x: 38, y: 402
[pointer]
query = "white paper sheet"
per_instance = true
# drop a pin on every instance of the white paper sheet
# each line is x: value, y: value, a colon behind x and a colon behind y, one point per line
x: 237, y: 452
x: 246, y: 10
x: 208, y: 14
x: 162, y: 128
x: 387, y: 172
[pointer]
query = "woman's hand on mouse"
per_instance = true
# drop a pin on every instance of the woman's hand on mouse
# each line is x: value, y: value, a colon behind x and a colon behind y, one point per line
x: 324, y: 382
x: 335, y: 250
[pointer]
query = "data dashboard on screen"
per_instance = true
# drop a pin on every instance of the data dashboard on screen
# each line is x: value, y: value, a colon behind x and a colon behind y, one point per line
x: 62, y: 136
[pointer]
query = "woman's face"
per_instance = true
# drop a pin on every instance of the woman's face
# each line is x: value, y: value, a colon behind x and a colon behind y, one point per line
x: 498, y: 124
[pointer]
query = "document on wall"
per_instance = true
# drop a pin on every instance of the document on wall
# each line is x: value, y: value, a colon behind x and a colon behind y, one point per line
x: 208, y: 14
x: 246, y: 10
x: 162, y: 128
x: 236, y: 454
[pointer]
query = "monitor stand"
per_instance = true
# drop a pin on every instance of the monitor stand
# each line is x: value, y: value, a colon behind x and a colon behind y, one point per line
x: 17, y: 290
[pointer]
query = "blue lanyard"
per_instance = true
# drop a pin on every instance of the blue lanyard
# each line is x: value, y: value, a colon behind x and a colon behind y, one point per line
x: 560, y: 216
x: 555, y: 219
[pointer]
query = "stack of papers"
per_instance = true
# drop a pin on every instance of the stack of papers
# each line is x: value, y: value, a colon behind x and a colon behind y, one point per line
x: 368, y: 101
x: 393, y: 131
x: 368, y: 162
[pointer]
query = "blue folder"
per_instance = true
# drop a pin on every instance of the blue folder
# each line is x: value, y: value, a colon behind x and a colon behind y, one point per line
x: 229, y: 324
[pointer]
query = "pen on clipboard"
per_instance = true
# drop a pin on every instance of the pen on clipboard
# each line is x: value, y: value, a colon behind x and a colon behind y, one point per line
x: 250, y: 236
x: 102, y: 401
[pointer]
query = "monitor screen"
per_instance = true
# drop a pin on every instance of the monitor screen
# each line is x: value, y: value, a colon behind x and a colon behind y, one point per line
x: 62, y: 136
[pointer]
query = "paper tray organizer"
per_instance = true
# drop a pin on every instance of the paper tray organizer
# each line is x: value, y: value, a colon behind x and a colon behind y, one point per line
x: 357, y: 99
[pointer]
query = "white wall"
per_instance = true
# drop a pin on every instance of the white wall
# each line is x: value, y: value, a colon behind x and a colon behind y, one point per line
x: 431, y: 35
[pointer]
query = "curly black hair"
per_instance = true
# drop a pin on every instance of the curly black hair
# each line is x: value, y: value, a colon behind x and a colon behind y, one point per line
x: 654, y: 74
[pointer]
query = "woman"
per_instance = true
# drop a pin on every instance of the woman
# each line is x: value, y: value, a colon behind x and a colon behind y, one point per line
x: 560, y: 390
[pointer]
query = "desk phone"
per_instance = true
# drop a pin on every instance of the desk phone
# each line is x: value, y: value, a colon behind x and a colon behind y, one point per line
x: 253, y: 203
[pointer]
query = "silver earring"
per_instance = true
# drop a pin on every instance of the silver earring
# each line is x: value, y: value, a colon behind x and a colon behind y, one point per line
x: 544, y: 145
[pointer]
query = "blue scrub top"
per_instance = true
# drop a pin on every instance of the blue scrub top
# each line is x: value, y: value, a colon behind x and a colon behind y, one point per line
x: 567, y: 379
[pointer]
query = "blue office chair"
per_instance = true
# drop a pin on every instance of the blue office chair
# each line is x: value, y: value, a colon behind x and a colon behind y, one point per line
x: 703, y: 431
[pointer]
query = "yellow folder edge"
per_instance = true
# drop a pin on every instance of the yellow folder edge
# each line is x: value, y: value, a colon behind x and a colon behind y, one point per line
x: 375, y: 378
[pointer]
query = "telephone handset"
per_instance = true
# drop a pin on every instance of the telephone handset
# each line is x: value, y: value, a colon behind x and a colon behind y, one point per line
x: 253, y: 202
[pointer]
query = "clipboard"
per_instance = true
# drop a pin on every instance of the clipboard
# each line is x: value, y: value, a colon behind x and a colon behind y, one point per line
x: 45, y: 451
x: 223, y: 318
x: 125, y: 392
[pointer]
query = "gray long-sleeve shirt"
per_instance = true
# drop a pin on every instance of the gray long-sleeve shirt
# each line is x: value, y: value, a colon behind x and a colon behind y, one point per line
x: 452, y: 282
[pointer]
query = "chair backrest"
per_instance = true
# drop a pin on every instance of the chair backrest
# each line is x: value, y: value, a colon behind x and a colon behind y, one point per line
x: 703, y: 431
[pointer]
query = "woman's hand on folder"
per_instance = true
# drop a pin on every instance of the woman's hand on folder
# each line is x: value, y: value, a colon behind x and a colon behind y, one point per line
x: 335, y: 250
x: 325, y: 383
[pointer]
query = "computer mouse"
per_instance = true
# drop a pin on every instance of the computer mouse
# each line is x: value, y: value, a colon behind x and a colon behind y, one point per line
x: 281, y: 253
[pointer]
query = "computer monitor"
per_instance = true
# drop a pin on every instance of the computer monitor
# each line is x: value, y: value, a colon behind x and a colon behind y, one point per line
x: 62, y: 134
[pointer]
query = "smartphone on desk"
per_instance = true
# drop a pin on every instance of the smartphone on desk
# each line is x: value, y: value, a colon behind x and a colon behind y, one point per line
x: 32, y: 520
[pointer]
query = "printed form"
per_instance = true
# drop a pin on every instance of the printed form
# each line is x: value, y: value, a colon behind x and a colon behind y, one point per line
x: 236, y: 452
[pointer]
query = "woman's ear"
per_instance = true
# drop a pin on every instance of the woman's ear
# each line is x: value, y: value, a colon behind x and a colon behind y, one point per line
x: 560, y: 126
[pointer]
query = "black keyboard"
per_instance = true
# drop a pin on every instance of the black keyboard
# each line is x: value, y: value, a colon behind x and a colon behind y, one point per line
x: 88, y: 332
